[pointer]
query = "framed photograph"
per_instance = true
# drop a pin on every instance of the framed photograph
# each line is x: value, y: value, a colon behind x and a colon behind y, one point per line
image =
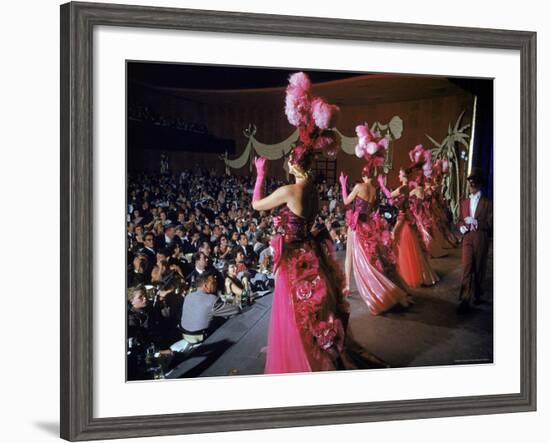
x: 273, y: 221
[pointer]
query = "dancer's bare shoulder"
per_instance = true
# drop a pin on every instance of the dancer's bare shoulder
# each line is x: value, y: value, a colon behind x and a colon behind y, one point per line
x: 366, y: 190
x: 277, y: 198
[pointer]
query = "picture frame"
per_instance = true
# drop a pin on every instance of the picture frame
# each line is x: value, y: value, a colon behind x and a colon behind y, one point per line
x: 77, y: 217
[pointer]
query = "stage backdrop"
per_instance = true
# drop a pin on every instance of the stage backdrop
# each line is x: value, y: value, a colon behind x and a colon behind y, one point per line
x: 427, y: 105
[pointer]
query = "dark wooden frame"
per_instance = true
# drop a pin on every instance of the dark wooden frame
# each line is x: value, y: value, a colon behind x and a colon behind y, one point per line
x: 77, y: 23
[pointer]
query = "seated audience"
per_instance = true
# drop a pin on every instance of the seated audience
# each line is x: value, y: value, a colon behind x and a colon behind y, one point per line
x: 180, y: 226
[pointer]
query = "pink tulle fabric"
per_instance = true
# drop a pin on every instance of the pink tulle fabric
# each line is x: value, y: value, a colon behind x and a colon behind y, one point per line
x: 411, y: 262
x: 309, y: 314
x: 285, y: 351
x: 377, y: 291
x: 373, y: 234
x: 370, y: 243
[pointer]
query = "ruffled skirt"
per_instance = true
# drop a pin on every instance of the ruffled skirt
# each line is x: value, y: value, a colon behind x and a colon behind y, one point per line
x: 376, y: 289
x: 411, y: 262
x: 309, y: 317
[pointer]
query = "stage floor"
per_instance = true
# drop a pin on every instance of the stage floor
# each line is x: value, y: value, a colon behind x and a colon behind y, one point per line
x: 426, y: 334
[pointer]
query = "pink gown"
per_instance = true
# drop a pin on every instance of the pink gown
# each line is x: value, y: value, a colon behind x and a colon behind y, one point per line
x: 309, y: 316
x: 369, y: 240
x: 411, y: 262
x: 432, y: 238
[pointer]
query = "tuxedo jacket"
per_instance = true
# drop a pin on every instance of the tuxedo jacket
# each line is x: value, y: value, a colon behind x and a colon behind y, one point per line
x: 161, y: 242
x: 248, y: 250
x: 483, y: 215
x: 186, y: 246
x: 151, y: 257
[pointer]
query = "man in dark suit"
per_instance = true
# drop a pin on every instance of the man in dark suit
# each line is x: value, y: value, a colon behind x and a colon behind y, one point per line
x: 248, y: 250
x: 476, y: 224
x: 169, y: 238
x: 200, y: 264
x: 194, y: 242
x: 185, y: 240
x: 145, y: 266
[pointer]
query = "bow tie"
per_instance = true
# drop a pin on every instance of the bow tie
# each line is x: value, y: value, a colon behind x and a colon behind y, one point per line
x: 475, y: 196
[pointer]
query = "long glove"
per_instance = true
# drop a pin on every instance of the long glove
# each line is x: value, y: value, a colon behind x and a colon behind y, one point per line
x: 383, y: 187
x: 260, y: 164
x: 344, y: 185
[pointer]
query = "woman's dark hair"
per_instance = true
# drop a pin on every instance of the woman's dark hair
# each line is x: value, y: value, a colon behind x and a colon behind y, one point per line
x: 229, y: 263
x: 197, y: 256
x: 301, y: 156
x: 235, y: 252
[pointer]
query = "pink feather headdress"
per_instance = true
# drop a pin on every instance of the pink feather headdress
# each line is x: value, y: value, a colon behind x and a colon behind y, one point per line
x: 298, y: 102
x: 313, y: 117
x: 371, y: 146
x: 422, y: 158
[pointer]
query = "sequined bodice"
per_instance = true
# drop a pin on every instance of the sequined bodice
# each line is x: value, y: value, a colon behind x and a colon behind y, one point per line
x: 295, y: 228
x: 362, y: 206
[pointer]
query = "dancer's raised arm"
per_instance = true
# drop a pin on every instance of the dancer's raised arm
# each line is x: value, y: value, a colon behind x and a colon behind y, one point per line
x: 277, y: 198
x: 261, y: 167
x: 348, y: 198
x: 344, y: 185
x: 383, y: 186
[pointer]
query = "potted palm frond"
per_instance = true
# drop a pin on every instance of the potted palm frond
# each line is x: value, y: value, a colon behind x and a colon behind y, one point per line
x: 450, y: 149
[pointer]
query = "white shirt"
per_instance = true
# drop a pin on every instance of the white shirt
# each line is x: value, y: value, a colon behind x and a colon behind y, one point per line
x: 474, y: 200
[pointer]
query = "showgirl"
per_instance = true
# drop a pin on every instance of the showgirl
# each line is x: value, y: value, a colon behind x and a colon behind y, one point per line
x: 368, y: 249
x: 412, y: 264
x: 309, y: 319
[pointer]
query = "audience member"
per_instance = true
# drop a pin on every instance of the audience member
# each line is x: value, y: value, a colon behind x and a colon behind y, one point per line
x: 201, y: 306
x: 238, y: 288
